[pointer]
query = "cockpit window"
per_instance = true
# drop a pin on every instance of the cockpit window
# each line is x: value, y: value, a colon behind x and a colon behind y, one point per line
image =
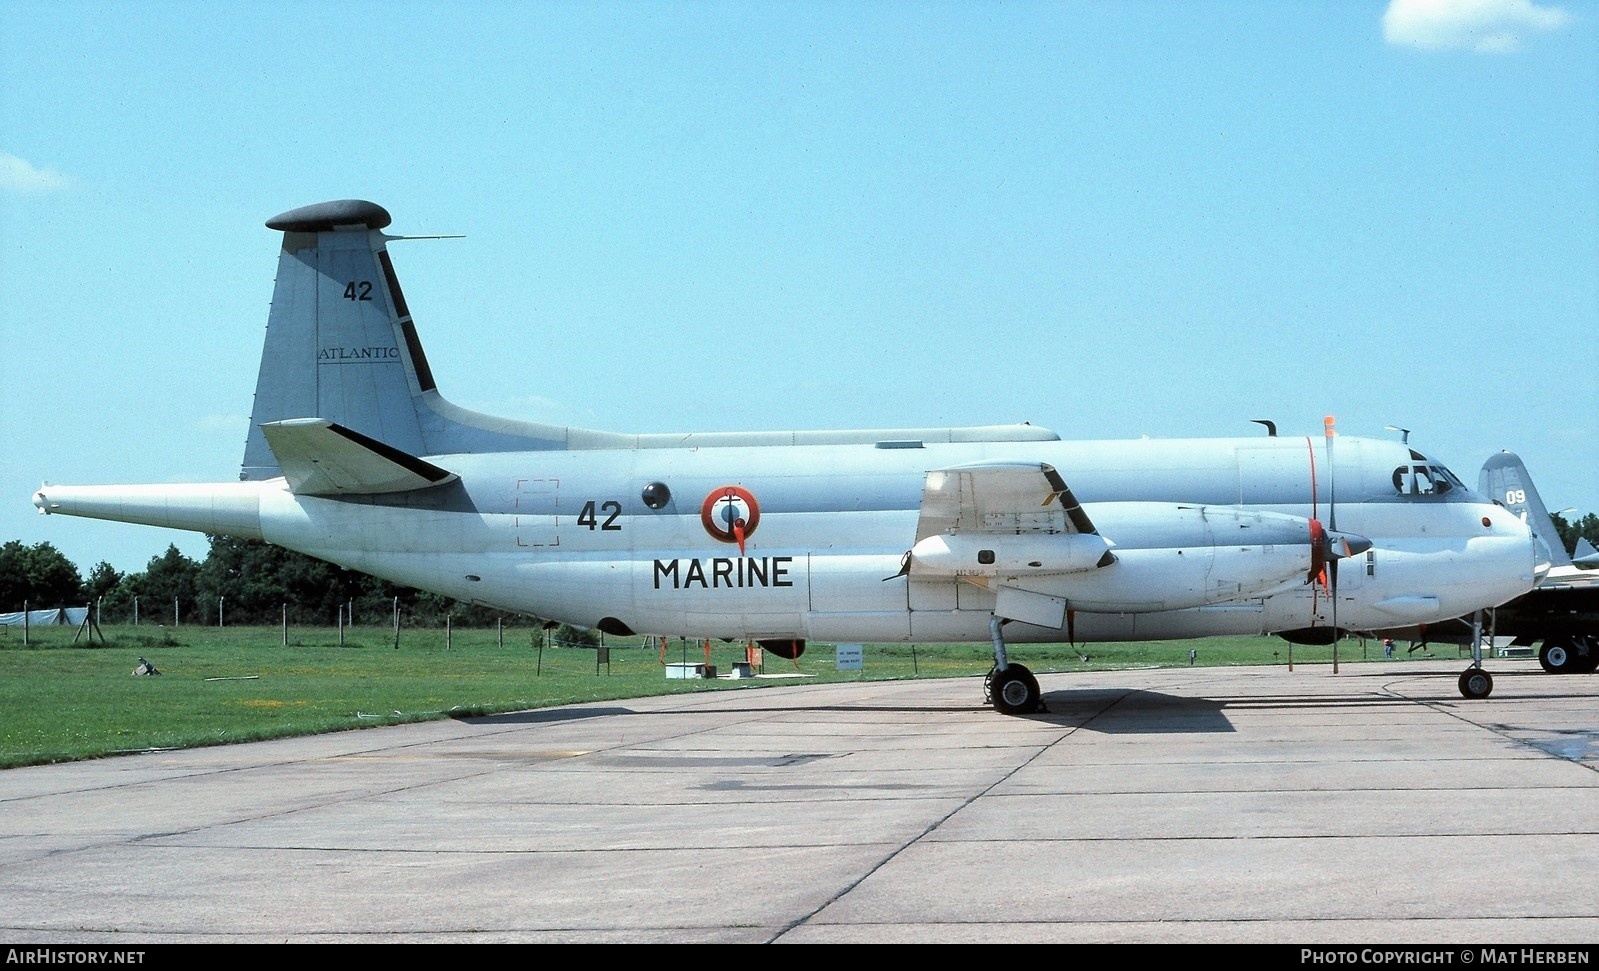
x: 1424, y: 479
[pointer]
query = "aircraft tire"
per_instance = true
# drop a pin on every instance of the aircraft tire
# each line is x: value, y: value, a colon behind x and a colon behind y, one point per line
x: 1558, y: 656
x: 1476, y: 683
x: 1014, y: 690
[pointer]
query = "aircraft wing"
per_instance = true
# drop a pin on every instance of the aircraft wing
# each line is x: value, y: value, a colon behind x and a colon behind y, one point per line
x: 1001, y: 498
x: 323, y: 458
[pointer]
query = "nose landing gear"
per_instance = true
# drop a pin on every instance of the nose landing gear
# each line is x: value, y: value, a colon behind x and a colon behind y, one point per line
x: 1476, y: 683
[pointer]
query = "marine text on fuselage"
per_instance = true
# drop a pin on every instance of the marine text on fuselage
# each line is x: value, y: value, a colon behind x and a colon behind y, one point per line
x: 724, y: 572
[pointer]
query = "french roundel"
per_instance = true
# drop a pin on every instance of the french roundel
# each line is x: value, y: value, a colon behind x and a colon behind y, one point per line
x: 730, y: 514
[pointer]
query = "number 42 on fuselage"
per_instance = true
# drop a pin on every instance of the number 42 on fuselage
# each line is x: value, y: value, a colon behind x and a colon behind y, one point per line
x: 1004, y: 533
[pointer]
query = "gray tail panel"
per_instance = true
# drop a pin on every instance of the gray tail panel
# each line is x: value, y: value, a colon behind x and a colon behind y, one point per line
x: 340, y: 346
x: 1504, y: 478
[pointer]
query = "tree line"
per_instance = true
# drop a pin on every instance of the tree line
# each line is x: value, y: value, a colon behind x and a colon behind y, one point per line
x: 244, y: 581
x: 240, y: 581
x: 1586, y: 528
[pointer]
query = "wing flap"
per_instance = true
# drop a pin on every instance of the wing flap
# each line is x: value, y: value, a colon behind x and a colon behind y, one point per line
x: 1003, y: 518
x: 1001, y: 499
x: 322, y: 458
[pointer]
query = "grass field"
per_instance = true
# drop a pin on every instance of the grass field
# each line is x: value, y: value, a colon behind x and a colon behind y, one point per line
x: 65, y: 697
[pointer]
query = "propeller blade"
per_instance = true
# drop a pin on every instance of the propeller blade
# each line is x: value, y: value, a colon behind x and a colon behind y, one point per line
x: 1327, y: 425
x: 1318, y: 551
x: 1332, y: 496
x: 1327, y: 544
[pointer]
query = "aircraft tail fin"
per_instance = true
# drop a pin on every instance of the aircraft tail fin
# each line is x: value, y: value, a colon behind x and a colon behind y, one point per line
x: 1504, y: 478
x: 341, y: 347
x: 342, y: 352
x: 1585, y: 554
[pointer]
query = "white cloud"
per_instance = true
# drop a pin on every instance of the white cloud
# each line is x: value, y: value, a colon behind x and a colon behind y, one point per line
x: 20, y: 175
x: 1485, y: 26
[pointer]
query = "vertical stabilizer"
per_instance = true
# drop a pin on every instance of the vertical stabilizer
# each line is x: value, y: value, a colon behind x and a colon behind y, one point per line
x: 1504, y: 478
x: 341, y: 348
x: 336, y: 340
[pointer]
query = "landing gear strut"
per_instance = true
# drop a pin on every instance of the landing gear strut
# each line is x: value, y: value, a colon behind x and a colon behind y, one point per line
x: 1010, y: 688
x: 1474, y: 681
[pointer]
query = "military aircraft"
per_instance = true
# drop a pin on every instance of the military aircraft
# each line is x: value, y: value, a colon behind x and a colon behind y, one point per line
x: 1560, y: 615
x: 1505, y: 479
x: 1003, y: 532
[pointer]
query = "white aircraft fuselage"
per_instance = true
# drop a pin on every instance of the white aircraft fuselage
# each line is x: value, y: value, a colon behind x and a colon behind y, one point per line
x: 941, y: 534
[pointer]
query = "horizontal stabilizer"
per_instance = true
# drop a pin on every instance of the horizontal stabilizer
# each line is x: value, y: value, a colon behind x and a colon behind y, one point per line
x: 321, y: 458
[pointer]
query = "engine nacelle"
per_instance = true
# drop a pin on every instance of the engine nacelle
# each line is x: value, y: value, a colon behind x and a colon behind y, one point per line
x: 1145, y: 581
x: 987, y: 555
x: 1164, y: 556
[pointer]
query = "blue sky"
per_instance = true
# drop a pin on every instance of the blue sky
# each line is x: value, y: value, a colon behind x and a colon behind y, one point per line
x: 1114, y: 219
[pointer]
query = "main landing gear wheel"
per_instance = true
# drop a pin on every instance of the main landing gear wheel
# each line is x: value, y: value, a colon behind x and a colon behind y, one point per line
x: 1476, y: 683
x: 1557, y: 656
x: 1014, y: 691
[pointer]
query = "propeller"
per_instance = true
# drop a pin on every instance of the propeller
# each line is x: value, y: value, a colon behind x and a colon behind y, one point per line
x: 1330, y: 571
x: 1327, y: 544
